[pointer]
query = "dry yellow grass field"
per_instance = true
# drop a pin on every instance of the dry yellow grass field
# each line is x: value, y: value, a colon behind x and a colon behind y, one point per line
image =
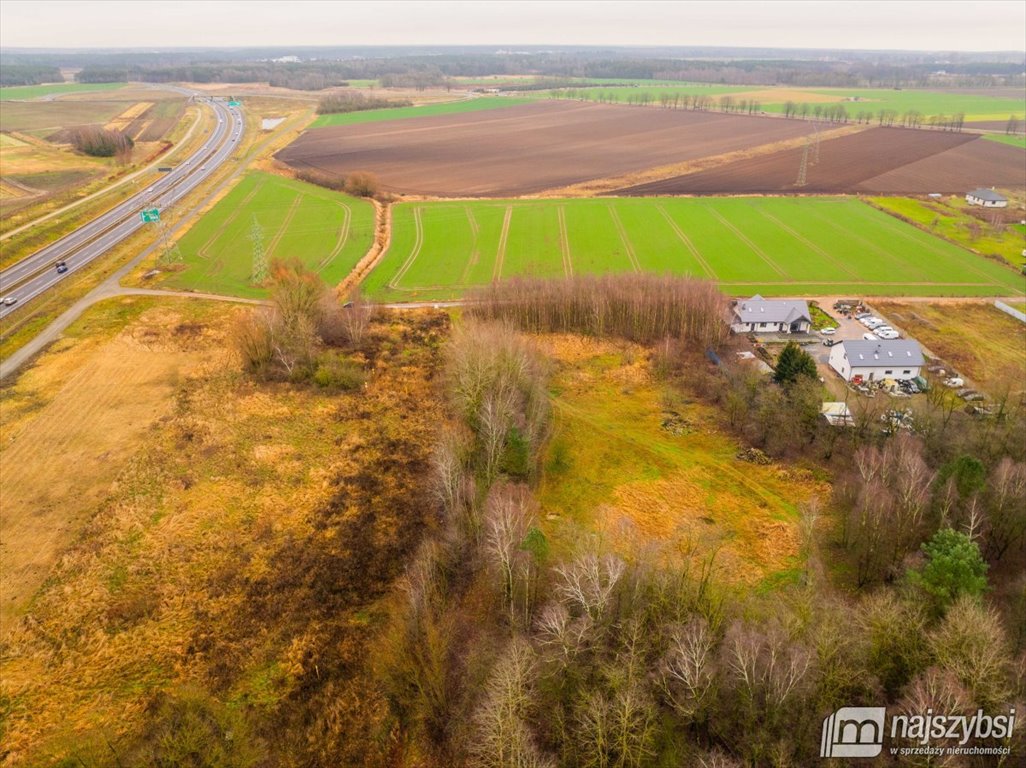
x: 227, y: 556
x: 647, y: 470
x: 70, y: 423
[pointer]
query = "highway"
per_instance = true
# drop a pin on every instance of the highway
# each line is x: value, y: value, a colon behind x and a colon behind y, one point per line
x: 37, y: 273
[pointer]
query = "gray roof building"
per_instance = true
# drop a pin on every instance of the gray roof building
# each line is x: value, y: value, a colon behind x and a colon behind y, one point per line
x: 760, y: 310
x: 988, y: 194
x: 874, y: 353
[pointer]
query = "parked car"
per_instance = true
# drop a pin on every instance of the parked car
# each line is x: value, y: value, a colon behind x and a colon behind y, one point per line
x: 62, y: 267
x: 830, y: 342
x: 9, y: 300
x: 828, y: 331
x: 887, y: 333
x: 954, y: 382
x: 870, y: 337
x: 861, y: 315
x: 873, y: 323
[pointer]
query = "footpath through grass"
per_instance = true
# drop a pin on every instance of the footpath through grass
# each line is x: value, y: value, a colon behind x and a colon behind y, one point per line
x: 772, y: 246
x: 35, y: 91
x: 427, y: 110
x: 327, y: 231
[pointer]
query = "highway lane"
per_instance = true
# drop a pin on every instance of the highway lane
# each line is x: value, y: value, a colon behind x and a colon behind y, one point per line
x: 35, y: 274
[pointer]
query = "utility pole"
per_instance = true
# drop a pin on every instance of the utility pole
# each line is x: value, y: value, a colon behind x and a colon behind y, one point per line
x: 803, y: 167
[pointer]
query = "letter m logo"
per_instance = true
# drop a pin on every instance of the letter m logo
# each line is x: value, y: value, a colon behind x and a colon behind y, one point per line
x: 853, y: 732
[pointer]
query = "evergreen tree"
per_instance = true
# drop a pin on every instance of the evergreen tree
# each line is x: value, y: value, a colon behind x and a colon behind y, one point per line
x: 792, y: 363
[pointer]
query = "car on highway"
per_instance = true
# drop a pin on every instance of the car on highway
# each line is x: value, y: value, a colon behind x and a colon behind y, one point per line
x: 9, y: 300
x: 62, y: 267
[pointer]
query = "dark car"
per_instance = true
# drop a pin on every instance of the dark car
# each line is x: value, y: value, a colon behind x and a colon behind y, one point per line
x: 62, y: 267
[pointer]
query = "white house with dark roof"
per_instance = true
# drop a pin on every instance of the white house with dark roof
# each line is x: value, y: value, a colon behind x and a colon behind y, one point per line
x: 898, y: 359
x: 759, y: 315
x: 988, y: 198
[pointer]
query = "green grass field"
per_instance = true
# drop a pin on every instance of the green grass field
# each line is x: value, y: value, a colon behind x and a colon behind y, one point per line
x: 950, y: 218
x: 975, y: 107
x: 427, y: 110
x: 774, y: 246
x: 35, y: 91
x: 1015, y: 141
x: 326, y: 230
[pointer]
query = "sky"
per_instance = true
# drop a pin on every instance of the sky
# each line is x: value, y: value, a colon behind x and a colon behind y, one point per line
x: 936, y: 25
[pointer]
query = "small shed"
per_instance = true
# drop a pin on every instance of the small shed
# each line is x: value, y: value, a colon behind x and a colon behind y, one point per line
x: 988, y: 198
x: 837, y: 414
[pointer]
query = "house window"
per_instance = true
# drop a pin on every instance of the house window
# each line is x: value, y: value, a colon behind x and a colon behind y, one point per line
x: 906, y: 371
x: 888, y: 373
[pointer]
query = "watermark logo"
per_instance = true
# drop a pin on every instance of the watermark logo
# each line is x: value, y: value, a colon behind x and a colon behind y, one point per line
x: 861, y: 731
x: 853, y: 732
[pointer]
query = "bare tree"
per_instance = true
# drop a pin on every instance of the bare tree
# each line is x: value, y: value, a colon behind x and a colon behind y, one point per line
x: 509, y: 517
x: 587, y: 583
x: 971, y: 643
x: 501, y: 738
x: 687, y: 668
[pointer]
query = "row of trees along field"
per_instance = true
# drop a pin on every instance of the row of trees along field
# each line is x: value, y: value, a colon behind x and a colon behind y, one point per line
x: 340, y: 103
x: 832, y: 113
x: 500, y: 654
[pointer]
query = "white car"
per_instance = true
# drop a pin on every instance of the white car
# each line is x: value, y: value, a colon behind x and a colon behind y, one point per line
x: 9, y: 300
x: 888, y: 334
x: 828, y: 331
x: 870, y: 337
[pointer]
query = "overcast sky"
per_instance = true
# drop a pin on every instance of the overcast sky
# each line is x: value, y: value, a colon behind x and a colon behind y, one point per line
x: 943, y: 25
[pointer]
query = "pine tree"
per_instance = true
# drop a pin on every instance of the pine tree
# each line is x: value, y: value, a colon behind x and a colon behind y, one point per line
x: 792, y: 363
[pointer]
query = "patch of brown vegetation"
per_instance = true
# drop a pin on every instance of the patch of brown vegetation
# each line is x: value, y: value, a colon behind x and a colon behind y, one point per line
x: 232, y: 571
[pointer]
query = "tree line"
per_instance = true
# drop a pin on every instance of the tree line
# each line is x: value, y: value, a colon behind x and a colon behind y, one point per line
x: 29, y: 74
x: 501, y: 652
x: 341, y: 103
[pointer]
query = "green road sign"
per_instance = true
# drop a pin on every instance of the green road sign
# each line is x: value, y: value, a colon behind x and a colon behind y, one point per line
x: 234, y: 103
x: 149, y: 215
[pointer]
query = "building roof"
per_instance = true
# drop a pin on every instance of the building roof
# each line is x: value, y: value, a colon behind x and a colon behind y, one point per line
x: 865, y: 354
x: 760, y: 310
x: 988, y: 194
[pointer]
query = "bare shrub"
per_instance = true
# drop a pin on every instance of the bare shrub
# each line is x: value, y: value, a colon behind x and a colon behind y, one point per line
x: 496, y: 380
x: 345, y: 102
x: 362, y: 184
x: 639, y: 307
x: 100, y: 142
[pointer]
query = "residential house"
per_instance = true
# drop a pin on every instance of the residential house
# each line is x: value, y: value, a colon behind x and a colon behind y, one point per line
x: 988, y: 198
x: 759, y: 315
x: 898, y: 359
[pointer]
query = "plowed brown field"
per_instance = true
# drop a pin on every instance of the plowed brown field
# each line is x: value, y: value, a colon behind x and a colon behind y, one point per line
x: 875, y: 160
x: 528, y: 148
x: 978, y: 163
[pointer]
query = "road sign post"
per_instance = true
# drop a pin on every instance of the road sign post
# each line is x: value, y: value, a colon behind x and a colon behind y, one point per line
x: 149, y: 215
x: 234, y: 103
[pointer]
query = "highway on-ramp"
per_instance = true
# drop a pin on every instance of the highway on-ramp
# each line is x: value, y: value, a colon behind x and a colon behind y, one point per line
x: 35, y: 274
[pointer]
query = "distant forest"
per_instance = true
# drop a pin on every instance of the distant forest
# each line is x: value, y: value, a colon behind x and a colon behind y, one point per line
x: 323, y: 68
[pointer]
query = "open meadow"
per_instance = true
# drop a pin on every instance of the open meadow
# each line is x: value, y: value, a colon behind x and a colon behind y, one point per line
x: 327, y: 231
x: 641, y: 466
x: 773, y: 246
